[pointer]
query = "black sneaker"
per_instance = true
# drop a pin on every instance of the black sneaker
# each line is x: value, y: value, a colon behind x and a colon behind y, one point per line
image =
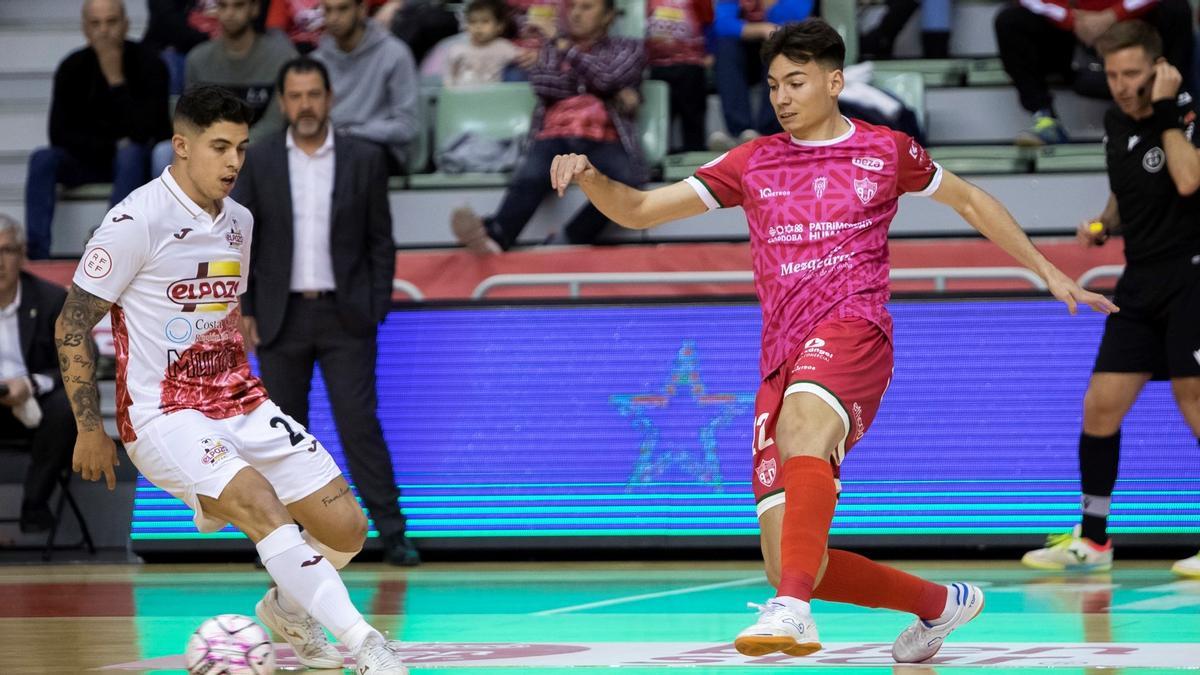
x: 399, y: 550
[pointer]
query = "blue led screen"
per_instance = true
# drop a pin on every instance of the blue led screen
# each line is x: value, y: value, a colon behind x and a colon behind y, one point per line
x: 636, y: 421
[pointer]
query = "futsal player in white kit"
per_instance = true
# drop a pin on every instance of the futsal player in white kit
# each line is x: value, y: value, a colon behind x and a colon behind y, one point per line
x: 169, y: 263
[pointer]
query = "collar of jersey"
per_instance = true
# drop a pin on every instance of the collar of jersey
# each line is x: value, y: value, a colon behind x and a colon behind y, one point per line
x: 193, y: 209
x: 831, y: 141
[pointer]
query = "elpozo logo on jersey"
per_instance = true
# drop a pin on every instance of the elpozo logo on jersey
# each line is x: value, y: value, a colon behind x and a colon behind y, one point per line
x: 215, y: 285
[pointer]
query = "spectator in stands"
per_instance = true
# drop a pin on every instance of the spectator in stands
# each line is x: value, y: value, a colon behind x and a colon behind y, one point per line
x: 1039, y: 38
x: 320, y: 280
x: 108, y: 109
x: 303, y: 21
x: 33, y: 408
x: 535, y: 22
x: 482, y: 57
x: 676, y: 53
x: 175, y: 27
x: 879, y: 42
x: 243, y: 61
x: 420, y: 24
x: 740, y: 27
x: 375, y: 78
x: 587, y: 86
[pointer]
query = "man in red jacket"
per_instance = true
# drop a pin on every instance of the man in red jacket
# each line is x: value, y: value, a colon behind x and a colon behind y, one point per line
x: 1038, y: 38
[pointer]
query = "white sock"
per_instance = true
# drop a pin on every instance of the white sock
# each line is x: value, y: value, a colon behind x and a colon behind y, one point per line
x: 338, y: 559
x: 797, y: 605
x: 951, y: 606
x: 310, y: 582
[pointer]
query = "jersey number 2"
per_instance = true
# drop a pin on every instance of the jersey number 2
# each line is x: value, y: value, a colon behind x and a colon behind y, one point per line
x: 294, y: 437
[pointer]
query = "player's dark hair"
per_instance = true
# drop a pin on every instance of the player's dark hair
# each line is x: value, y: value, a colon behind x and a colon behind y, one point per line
x: 812, y: 39
x: 302, y: 64
x: 1126, y: 34
x: 204, y: 105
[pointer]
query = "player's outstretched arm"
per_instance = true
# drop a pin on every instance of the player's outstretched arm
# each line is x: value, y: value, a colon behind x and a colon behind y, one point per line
x: 993, y: 221
x: 95, y: 453
x: 626, y: 206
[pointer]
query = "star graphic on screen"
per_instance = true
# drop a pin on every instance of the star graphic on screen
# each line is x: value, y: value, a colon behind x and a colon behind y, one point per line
x: 679, y: 425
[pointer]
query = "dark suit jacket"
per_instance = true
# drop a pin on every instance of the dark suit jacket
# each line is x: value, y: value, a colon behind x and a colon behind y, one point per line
x: 41, y: 302
x: 361, y: 246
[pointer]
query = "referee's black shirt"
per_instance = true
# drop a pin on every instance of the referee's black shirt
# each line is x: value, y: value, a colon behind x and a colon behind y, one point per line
x: 1156, y: 221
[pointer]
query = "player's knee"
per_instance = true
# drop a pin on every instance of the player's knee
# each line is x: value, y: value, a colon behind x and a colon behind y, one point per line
x: 1101, y: 412
x: 1187, y: 392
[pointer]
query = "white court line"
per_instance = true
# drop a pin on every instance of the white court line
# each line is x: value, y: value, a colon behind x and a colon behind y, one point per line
x: 651, y: 596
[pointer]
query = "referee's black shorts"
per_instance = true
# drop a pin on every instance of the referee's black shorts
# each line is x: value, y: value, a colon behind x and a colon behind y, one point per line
x: 1157, y: 330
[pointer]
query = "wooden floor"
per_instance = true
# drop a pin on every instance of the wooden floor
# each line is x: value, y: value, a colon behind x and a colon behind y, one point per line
x: 640, y: 618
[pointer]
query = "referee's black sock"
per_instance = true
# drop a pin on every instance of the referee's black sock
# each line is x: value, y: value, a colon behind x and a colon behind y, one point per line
x: 1098, y: 459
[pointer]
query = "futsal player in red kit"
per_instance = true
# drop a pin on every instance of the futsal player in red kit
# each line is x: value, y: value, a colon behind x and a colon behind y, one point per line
x: 819, y: 198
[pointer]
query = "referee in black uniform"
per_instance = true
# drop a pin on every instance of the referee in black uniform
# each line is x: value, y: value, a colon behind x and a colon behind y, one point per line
x: 1154, y: 176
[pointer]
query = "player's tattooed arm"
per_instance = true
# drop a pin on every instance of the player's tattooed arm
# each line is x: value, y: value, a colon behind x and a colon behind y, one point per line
x: 77, y: 356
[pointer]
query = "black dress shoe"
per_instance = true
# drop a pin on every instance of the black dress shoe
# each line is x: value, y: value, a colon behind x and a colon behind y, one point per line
x: 399, y: 550
x: 36, y: 518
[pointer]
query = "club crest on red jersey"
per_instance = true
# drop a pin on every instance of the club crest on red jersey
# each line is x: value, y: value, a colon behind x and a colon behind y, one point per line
x: 865, y: 189
x: 767, y: 472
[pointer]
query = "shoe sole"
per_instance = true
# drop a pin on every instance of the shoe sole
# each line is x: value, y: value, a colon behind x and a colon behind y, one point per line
x: 315, y: 665
x: 1056, y: 567
x: 1187, y: 574
x: 761, y: 645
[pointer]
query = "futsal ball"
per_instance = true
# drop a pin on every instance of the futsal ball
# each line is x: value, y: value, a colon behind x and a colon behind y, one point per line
x: 229, y: 644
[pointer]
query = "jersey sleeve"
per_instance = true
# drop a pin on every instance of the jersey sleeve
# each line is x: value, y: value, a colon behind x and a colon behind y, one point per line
x: 917, y: 173
x: 247, y: 246
x: 719, y: 183
x: 1187, y: 117
x: 114, y: 255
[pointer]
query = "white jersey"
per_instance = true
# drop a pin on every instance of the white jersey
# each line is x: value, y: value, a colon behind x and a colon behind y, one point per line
x: 174, y: 275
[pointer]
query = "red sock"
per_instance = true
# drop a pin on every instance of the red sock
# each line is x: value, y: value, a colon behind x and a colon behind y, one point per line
x: 808, y: 513
x: 853, y: 579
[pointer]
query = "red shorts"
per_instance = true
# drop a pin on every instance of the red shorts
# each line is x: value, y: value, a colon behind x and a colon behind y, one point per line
x: 845, y: 362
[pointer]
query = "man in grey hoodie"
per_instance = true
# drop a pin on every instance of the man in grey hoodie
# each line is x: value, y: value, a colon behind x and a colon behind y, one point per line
x: 374, y: 79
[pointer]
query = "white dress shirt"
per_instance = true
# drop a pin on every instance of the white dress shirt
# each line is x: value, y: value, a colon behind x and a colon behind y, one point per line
x: 12, y: 362
x: 311, y: 178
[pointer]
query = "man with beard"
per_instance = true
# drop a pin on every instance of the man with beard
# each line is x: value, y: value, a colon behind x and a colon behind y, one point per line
x: 321, y: 280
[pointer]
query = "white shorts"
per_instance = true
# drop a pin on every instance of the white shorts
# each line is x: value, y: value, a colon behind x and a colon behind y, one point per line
x: 188, y: 455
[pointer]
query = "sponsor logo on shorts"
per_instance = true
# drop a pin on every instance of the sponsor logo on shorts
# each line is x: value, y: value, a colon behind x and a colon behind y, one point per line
x: 214, y: 449
x: 865, y: 189
x: 97, y: 263
x: 815, y: 348
x: 868, y: 163
x: 1153, y: 160
x: 767, y: 471
x: 859, y: 427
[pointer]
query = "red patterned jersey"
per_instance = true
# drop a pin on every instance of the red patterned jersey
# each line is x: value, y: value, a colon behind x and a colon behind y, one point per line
x: 818, y: 213
x: 174, y: 275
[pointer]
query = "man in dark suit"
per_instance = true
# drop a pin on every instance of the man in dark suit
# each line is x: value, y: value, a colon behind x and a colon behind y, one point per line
x: 321, y: 272
x: 33, y: 407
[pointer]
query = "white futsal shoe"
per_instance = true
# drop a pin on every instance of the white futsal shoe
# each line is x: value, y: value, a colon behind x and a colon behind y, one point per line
x: 1188, y: 567
x: 920, y: 641
x: 375, y: 658
x: 1070, y: 552
x: 303, y: 633
x: 780, y: 628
